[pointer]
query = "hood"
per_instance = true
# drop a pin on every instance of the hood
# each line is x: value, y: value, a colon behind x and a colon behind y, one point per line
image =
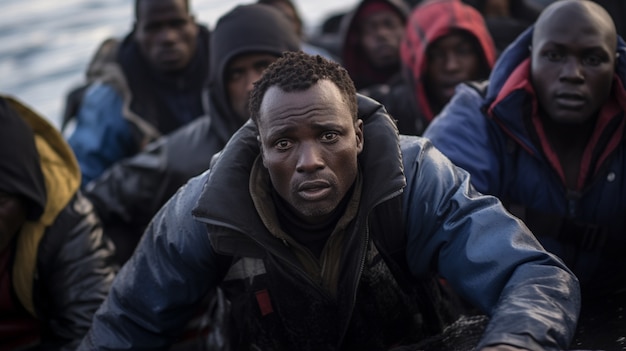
x: 57, y: 168
x: 246, y: 29
x: 351, y: 53
x: 428, y: 23
x: 61, y: 178
x: 511, y: 102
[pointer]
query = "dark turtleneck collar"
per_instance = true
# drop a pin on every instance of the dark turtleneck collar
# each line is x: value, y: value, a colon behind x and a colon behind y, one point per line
x: 311, y: 235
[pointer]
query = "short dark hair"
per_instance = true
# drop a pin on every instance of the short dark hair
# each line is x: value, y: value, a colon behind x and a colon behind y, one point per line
x: 298, y: 71
x: 138, y: 3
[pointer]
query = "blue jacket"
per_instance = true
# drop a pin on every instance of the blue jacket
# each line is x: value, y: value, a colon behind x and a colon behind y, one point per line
x: 483, y: 252
x: 492, y: 133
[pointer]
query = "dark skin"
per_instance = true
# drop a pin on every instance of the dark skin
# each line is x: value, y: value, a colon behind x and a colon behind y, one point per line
x: 310, y: 141
x: 166, y: 33
x: 381, y: 34
x: 572, y: 68
x: 452, y: 59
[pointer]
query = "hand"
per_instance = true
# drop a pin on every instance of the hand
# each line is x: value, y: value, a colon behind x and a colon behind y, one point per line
x: 502, y: 348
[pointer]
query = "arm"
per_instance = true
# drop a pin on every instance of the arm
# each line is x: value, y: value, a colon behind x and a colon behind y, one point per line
x: 487, y: 255
x: 102, y: 135
x: 75, y: 271
x: 134, y: 189
x: 159, y: 288
x: 455, y: 133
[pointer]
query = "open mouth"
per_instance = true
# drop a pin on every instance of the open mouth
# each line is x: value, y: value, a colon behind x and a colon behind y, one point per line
x: 314, y: 190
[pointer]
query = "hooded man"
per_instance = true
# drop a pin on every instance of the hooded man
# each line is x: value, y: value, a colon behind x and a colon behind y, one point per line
x: 546, y: 135
x: 446, y: 43
x: 244, y: 42
x: 55, y: 264
x: 372, y: 33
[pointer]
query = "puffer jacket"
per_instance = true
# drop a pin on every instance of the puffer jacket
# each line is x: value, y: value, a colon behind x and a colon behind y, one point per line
x: 491, y: 131
x: 62, y: 267
x: 128, y: 194
x: 480, y: 249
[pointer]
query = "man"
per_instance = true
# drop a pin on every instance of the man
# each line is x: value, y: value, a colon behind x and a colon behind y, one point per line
x: 372, y: 33
x: 307, y: 223
x: 546, y: 136
x: 148, y: 85
x: 244, y: 42
x: 446, y: 43
x: 55, y: 264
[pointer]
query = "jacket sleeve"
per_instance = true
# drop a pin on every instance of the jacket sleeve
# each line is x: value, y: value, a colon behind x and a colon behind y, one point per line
x: 159, y: 289
x: 102, y: 135
x: 134, y: 189
x: 454, y: 132
x: 75, y: 272
x: 487, y: 255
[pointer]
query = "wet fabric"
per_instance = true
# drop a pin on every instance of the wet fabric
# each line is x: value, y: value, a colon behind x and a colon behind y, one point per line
x: 61, y: 268
x: 493, y: 131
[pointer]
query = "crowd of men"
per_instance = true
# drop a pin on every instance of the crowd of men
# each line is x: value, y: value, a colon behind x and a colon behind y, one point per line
x: 440, y: 175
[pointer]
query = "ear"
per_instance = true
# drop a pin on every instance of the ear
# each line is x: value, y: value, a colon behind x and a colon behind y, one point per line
x: 358, y: 131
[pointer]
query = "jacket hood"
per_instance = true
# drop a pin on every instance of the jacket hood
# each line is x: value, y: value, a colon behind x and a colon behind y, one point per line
x: 246, y: 29
x: 351, y: 54
x: 61, y: 176
x: 58, y: 167
x: 511, y: 102
x: 380, y: 163
x: 428, y: 23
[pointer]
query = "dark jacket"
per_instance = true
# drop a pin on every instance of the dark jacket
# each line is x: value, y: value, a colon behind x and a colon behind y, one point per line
x: 352, y: 57
x: 469, y: 238
x: 128, y: 194
x: 406, y: 97
x: 498, y: 138
x: 61, y: 265
x: 129, y: 104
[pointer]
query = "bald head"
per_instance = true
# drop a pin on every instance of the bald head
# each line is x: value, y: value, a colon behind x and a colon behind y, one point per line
x: 566, y: 14
x: 573, y: 60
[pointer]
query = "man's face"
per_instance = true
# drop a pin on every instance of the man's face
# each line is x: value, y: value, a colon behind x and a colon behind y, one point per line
x: 240, y: 76
x: 572, y: 67
x: 452, y: 59
x: 12, y: 216
x: 381, y: 34
x: 166, y: 34
x: 310, y: 142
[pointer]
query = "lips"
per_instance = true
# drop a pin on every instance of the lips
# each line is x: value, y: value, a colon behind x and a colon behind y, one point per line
x: 570, y: 100
x: 314, y: 190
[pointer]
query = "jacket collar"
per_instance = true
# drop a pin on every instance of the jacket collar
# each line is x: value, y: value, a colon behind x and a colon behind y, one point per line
x: 226, y: 201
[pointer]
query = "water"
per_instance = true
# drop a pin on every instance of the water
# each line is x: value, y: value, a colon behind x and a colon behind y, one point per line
x: 46, y: 45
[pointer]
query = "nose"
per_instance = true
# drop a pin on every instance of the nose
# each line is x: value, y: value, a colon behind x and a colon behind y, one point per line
x: 309, y: 158
x: 167, y: 35
x: 572, y: 71
x: 452, y: 62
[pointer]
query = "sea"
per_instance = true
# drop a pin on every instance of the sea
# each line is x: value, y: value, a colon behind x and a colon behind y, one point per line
x: 45, y: 45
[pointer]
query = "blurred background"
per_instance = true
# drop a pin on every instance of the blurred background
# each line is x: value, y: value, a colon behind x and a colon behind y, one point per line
x: 45, y: 45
